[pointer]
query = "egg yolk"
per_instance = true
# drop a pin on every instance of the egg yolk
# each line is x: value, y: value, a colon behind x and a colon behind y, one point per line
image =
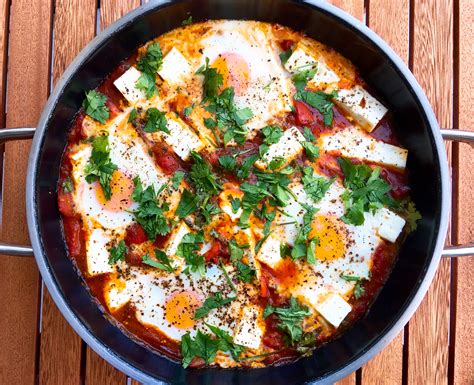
x: 180, y: 309
x: 331, y: 236
x: 234, y: 70
x: 122, y: 188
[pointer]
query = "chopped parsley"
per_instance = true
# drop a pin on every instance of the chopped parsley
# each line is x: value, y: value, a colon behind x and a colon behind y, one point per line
x: 94, y: 106
x: 155, y: 121
x: 308, y: 135
x: 117, y: 253
x: 202, y: 176
x: 204, y: 346
x: 235, y: 205
x: 303, y: 75
x: 228, y: 162
x: 150, y: 215
x: 67, y: 185
x: 244, y: 170
x: 358, y: 288
x: 133, y: 115
x: 271, y: 134
x: 149, y: 63
x: 187, y: 21
x: 162, y: 261
x: 408, y: 210
x: 245, y: 272
x: 213, y: 302
x: 100, y: 167
x: 188, y: 204
x: 321, y: 101
x: 212, y: 80
x: 304, y: 247
x: 176, y: 179
x: 285, y: 55
x: 189, y: 250
x: 290, y: 319
x: 315, y: 186
x: 365, y: 191
x: 188, y: 110
x: 311, y: 150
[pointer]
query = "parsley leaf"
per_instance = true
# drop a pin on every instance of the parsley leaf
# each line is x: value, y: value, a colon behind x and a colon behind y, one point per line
x: 149, y: 63
x: 235, y: 205
x: 365, y: 191
x: 228, y: 162
x: 202, y: 175
x: 244, y: 170
x: 408, y: 209
x: 176, y: 179
x: 155, y: 121
x: 208, y: 210
x: 300, y: 247
x: 100, y: 167
x: 321, y: 101
x: 163, y: 262
x: 133, y: 115
x: 290, y: 318
x: 246, y: 273
x: 202, y: 346
x: 271, y: 134
x: 188, y: 204
x: 149, y: 214
x: 285, y: 55
x: 304, y: 75
x: 350, y: 278
x: 308, y: 134
x: 117, y: 253
x: 188, y: 249
x: 67, y: 185
x: 187, y: 21
x: 188, y: 110
x: 94, y: 106
x: 213, y: 302
x: 315, y: 186
x: 226, y: 343
x: 311, y: 150
x: 212, y: 80
x: 358, y: 290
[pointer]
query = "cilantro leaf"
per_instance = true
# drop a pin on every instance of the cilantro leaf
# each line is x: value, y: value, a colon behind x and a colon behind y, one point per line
x: 187, y: 21
x: 162, y: 262
x: 133, y: 115
x: 155, y: 121
x: 208, y: 210
x: 149, y: 214
x: 188, y: 249
x: 100, y: 167
x: 188, y: 110
x: 308, y: 134
x: 290, y: 318
x: 285, y: 55
x: 245, y: 272
x: 235, y: 205
x: 188, y: 204
x: 213, y: 302
x: 408, y: 210
x: 315, y: 186
x: 365, y: 191
x: 359, y: 290
x: 350, y: 278
x: 94, y: 106
x: 147, y: 83
x: 271, y: 134
x: 117, y: 253
x: 300, y: 247
x: 321, y: 101
x: 244, y: 170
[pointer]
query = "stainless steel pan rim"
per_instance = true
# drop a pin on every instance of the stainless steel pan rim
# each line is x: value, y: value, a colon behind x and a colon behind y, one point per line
x: 31, y: 206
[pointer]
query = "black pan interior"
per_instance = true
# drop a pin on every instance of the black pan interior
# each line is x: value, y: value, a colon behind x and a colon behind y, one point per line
x: 412, y: 128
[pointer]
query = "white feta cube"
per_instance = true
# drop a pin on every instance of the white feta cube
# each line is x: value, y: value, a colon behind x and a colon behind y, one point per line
x: 363, y: 107
x: 175, y: 67
x: 269, y: 252
x: 334, y: 309
x: 391, y: 225
x: 250, y: 327
x: 126, y: 84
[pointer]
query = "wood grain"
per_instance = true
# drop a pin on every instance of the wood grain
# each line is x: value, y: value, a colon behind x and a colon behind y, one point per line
x: 4, y: 19
x: 391, y: 21
x: 356, y: 9
x: 98, y: 371
x: 433, y: 67
x: 28, y: 80
x: 463, y: 368
x: 60, y: 353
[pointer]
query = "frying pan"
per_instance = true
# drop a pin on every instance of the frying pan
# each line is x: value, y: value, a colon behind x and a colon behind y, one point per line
x: 416, y: 127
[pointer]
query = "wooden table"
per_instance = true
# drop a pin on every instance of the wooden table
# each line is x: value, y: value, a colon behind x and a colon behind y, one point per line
x: 39, y: 38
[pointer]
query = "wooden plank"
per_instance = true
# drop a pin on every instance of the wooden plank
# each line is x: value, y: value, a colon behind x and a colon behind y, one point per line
x: 4, y: 18
x: 356, y: 9
x: 391, y: 21
x: 433, y: 66
x: 98, y: 371
x: 60, y: 353
x: 28, y: 80
x: 463, y: 368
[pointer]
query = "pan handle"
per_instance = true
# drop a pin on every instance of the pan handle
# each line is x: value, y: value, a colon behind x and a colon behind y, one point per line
x: 28, y: 132
x: 7, y: 134
x: 465, y: 137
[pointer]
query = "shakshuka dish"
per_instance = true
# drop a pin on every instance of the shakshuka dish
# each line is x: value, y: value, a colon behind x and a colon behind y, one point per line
x: 233, y: 194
